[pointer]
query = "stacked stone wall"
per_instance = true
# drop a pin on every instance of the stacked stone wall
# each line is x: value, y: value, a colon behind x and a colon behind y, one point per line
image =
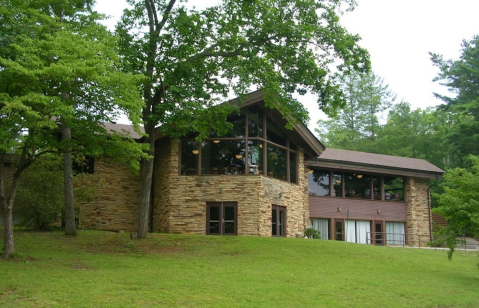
x: 164, y: 170
x: 115, y: 207
x: 418, y: 214
x: 180, y: 201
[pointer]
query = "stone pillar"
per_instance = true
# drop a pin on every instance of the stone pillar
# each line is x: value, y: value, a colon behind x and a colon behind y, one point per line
x: 418, y: 215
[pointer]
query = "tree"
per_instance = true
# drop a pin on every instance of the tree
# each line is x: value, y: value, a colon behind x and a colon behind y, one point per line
x: 459, y: 204
x: 462, y: 79
x: 40, y: 201
x: 193, y: 58
x: 57, y: 62
x: 356, y: 126
x: 415, y: 133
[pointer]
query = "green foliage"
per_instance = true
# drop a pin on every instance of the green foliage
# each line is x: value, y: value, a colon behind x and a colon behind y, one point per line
x: 58, y: 62
x: 462, y: 78
x: 40, y: 200
x: 312, y: 233
x: 356, y: 126
x: 40, y: 195
x: 194, y: 58
x: 459, y: 203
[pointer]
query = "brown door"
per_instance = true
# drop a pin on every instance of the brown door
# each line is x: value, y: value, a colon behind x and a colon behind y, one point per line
x: 378, y: 233
x: 339, y: 230
x: 221, y: 218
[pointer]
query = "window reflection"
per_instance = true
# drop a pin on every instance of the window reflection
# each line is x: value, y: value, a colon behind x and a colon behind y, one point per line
x: 357, y: 185
x: 318, y: 183
x: 393, y: 188
x: 189, y: 157
x: 338, y: 184
x: 224, y: 157
x: 292, y: 168
x: 274, y: 133
x: 255, y: 157
x: 255, y: 122
x: 239, y: 125
x: 276, y: 159
x: 228, y: 154
x: 377, y: 187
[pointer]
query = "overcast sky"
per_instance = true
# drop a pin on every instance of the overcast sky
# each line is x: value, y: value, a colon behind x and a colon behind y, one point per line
x: 398, y: 34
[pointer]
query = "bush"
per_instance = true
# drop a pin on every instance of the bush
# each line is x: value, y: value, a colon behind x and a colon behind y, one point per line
x: 312, y: 233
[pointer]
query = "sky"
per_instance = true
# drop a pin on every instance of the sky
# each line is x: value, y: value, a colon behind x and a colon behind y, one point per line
x: 399, y: 34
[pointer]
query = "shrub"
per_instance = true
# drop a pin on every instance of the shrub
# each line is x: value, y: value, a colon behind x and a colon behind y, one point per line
x: 312, y: 233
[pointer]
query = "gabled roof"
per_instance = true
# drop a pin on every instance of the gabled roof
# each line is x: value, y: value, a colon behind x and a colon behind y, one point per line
x: 124, y: 129
x: 375, y: 163
x: 300, y: 132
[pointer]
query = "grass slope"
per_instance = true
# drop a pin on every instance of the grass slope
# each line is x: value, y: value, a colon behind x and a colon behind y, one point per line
x: 103, y: 269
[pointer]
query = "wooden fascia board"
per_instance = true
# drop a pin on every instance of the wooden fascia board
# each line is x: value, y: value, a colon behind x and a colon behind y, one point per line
x: 383, y: 170
x: 309, y: 138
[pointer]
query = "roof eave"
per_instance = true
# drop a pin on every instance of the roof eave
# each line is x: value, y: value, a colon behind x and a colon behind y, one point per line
x: 379, y: 169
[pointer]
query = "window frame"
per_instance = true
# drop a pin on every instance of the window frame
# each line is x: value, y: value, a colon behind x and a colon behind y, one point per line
x: 279, y: 227
x: 263, y: 143
x: 372, y: 188
x: 221, y: 206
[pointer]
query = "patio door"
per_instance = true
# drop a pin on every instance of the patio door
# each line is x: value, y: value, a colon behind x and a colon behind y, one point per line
x: 221, y: 218
x: 278, y: 219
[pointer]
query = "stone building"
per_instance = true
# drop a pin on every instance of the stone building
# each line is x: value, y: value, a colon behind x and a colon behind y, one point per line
x: 265, y: 180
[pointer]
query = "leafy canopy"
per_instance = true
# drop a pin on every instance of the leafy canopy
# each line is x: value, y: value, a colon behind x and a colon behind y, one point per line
x: 462, y: 79
x: 459, y: 203
x: 58, y: 62
x: 193, y: 58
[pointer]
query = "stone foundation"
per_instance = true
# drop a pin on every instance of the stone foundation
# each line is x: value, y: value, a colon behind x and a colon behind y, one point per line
x: 180, y: 201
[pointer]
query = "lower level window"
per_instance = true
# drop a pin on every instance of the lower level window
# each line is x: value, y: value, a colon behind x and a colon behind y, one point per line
x: 278, y: 219
x: 221, y: 218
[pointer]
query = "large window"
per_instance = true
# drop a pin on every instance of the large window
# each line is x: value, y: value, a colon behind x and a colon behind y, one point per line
x: 255, y: 145
x: 355, y: 185
x: 393, y: 188
x: 318, y: 183
x: 222, y: 157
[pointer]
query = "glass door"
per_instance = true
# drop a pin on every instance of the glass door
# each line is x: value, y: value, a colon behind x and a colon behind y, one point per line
x: 278, y: 219
x: 221, y: 218
x: 339, y: 230
x: 378, y: 233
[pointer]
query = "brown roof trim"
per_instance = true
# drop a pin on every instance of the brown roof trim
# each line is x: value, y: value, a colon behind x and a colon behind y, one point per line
x: 251, y: 98
x: 309, y: 138
x: 381, y: 170
x: 375, y: 163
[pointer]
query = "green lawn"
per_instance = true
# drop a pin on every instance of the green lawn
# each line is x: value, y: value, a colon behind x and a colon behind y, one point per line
x: 104, y: 269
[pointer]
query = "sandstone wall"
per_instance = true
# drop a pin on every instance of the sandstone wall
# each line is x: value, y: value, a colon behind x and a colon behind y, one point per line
x: 180, y: 201
x: 116, y: 205
x: 417, y: 225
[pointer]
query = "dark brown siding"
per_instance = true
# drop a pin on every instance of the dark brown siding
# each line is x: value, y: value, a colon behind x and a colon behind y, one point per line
x: 327, y: 207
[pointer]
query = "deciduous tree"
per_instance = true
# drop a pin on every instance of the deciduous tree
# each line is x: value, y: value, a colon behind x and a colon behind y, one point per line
x: 193, y: 58
x: 58, y: 63
x: 459, y: 203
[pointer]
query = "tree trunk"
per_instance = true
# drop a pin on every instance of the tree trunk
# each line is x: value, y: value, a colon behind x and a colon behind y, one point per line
x: 147, y: 166
x: 8, y: 221
x: 70, y: 228
x: 7, y: 205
